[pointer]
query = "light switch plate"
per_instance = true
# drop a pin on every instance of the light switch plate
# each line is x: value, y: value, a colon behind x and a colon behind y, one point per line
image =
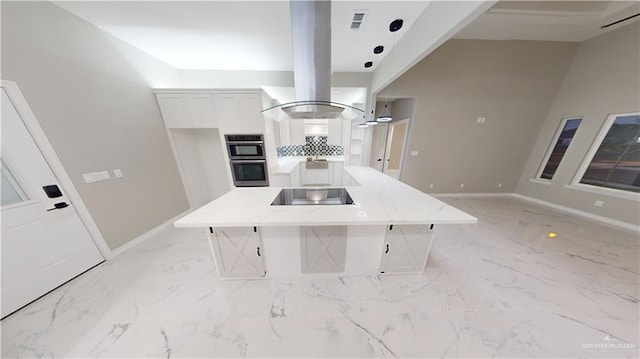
x: 414, y: 153
x: 96, y: 176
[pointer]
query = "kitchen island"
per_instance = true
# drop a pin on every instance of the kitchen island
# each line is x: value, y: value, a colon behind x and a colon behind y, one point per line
x: 387, y: 229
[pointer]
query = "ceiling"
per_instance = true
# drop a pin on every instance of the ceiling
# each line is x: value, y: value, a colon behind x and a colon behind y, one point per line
x: 243, y: 35
x: 549, y: 20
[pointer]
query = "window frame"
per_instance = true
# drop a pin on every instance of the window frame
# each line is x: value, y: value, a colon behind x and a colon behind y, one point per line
x: 595, y: 145
x: 552, y: 145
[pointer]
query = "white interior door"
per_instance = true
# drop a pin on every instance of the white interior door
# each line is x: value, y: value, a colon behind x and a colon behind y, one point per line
x: 378, y: 142
x: 394, y: 148
x: 44, y: 242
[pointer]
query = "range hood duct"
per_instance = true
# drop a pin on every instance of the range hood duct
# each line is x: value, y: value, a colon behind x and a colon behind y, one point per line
x: 311, y: 40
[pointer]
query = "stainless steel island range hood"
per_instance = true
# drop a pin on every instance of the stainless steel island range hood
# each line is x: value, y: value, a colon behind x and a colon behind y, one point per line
x: 311, y: 43
x: 311, y: 40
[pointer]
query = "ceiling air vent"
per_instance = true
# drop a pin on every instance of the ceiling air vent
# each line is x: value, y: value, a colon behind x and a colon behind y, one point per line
x: 358, y: 18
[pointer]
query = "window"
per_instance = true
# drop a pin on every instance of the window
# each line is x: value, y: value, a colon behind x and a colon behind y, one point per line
x: 616, y: 162
x: 561, y: 141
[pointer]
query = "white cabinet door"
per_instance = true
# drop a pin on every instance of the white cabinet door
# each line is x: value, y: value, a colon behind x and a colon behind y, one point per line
x: 316, y: 176
x: 337, y: 173
x: 323, y: 248
x: 201, y: 111
x: 295, y: 176
x: 239, y: 113
x: 406, y: 248
x: 187, y: 110
x: 174, y: 110
x: 238, y: 252
x: 250, y: 106
x: 334, y: 136
x: 296, y: 132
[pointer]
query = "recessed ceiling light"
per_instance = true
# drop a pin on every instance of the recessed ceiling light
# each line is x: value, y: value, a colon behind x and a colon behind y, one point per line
x: 378, y: 49
x: 368, y: 64
x: 396, y: 25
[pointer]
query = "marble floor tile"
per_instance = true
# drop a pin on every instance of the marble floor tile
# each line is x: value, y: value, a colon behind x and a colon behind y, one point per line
x: 499, y: 288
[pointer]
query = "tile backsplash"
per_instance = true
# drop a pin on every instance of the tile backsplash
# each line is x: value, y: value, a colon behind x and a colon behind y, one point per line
x: 314, y: 146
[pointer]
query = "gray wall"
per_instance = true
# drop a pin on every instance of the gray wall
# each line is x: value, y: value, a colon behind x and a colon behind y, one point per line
x: 403, y: 108
x: 510, y: 83
x: 604, y: 78
x: 99, y: 113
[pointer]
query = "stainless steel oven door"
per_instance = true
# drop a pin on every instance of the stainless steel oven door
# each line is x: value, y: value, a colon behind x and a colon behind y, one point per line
x: 245, y: 150
x: 250, y: 173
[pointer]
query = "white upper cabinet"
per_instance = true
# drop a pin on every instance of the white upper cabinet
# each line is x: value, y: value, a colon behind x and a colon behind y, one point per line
x: 296, y: 132
x: 334, y: 135
x: 184, y: 110
x: 239, y: 113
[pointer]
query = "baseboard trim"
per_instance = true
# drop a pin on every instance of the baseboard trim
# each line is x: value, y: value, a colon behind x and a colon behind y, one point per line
x: 453, y: 195
x: 143, y: 237
x: 594, y: 217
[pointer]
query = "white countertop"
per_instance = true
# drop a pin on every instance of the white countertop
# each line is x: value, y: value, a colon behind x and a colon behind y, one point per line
x: 379, y: 200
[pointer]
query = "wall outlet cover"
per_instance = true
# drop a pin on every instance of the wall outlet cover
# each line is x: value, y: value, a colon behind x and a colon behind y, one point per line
x: 96, y: 176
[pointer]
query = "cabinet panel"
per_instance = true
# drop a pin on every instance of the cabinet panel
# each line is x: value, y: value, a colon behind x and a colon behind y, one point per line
x: 187, y: 110
x: 174, y: 110
x: 323, y: 248
x: 296, y: 132
x: 228, y: 115
x: 334, y: 136
x: 239, y: 113
x: 295, y: 176
x: 250, y: 107
x: 201, y: 110
x: 406, y: 248
x: 337, y: 173
x: 238, y: 252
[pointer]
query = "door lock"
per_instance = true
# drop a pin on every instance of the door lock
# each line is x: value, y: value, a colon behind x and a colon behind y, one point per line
x: 59, y: 205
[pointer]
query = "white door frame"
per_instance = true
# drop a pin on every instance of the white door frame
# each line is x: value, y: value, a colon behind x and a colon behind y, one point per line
x: 387, y: 151
x: 40, y: 138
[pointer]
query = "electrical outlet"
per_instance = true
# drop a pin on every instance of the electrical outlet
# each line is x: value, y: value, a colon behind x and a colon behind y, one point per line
x: 461, y: 185
x: 499, y: 185
x: 118, y: 173
x: 599, y: 203
x: 481, y: 119
x: 430, y: 185
x: 414, y: 153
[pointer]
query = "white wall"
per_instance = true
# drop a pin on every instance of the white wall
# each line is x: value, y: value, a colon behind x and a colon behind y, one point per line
x: 510, y: 83
x: 604, y: 78
x: 257, y: 79
x: 92, y: 95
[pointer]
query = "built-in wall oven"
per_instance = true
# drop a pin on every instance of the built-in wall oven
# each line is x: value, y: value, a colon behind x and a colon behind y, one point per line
x: 248, y: 160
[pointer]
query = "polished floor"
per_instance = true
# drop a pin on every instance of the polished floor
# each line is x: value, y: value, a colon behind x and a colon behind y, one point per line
x: 499, y: 288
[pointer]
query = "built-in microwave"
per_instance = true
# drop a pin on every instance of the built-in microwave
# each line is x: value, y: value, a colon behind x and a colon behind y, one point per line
x: 245, y: 147
x: 249, y: 173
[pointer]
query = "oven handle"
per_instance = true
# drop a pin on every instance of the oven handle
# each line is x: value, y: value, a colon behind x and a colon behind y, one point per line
x: 248, y: 161
x: 244, y: 142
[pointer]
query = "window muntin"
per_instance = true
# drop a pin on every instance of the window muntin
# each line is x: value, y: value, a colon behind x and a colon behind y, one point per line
x: 616, y: 162
x: 561, y: 141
